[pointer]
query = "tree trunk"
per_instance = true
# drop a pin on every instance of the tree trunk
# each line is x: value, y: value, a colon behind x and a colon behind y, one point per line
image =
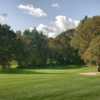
x: 98, y: 67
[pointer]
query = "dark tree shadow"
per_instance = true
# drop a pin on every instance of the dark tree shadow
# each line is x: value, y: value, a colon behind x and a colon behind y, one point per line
x: 32, y: 70
x: 19, y: 71
x: 52, y: 66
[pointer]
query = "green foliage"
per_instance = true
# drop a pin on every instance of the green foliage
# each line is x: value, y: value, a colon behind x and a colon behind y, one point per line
x: 85, y: 34
x: 21, y: 52
x: 61, y: 50
x: 34, y: 48
x: 7, y: 42
x: 94, y: 50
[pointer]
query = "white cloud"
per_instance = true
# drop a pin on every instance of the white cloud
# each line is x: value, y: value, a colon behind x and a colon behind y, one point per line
x: 60, y: 24
x: 31, y: 10
x: 64, y: 23
x: 43, y: 28
x: 55, y: 5
x: 3, y: 18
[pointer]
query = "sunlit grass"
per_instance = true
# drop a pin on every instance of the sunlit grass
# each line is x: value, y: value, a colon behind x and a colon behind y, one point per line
x: 49, y: 84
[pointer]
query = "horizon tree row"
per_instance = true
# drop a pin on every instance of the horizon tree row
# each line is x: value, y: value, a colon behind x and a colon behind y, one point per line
x: 74, y: 46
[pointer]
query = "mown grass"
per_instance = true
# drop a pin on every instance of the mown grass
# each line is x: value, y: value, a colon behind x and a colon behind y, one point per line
x: 49, y: 84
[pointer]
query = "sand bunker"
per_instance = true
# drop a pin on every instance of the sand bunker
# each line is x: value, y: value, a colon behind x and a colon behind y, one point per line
x: 90, y: 74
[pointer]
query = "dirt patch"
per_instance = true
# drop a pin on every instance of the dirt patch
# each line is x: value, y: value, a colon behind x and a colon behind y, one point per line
x: 90, y: 74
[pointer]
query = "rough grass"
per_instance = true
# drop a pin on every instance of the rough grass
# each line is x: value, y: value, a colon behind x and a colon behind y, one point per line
x: 48, y: 84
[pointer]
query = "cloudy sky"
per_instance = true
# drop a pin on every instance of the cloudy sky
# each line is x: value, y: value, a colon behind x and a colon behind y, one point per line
x: 50, y: 16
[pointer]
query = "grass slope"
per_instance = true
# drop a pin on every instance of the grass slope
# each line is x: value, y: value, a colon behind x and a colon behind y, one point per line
x: 48, y: 84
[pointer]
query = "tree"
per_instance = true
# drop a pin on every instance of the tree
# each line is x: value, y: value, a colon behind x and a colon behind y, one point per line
x: 85, y: 33
x: 93, y: 52
x: 7, y: 42
x: 21, y: 51
x: 37, y: 45
x: 61, y: 50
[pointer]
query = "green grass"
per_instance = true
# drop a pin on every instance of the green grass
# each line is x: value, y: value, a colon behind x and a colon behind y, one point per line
x: 49, y: 84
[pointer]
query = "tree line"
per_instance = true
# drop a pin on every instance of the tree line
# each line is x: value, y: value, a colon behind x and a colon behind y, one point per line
x: 29, y: 48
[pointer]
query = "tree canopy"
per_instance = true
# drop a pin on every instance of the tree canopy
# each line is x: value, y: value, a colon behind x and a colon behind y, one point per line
x: 30, y: 48
x: 86, y: 37
x: 7, y: 42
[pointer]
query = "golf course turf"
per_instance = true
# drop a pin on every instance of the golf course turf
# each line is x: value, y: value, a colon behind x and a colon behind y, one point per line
x: 50, y: 84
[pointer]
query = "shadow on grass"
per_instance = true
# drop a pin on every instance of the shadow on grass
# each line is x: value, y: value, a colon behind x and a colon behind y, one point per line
x: 33, y: 70
x: 27, y: 71
x: 20, y: 71
x: 57, y: 67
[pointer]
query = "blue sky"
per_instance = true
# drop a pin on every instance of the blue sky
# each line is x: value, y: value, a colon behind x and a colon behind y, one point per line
x: 19, y: 18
